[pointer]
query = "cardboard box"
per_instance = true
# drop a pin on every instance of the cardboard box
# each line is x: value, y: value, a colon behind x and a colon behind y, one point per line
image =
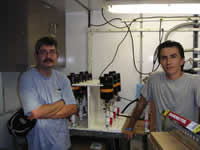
x: 165, y: 141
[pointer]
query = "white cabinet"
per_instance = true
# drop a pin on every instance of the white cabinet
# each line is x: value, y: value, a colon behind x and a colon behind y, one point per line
x: 96, y: 113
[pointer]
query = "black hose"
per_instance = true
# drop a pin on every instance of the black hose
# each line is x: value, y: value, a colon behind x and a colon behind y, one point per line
x: 129, y: 105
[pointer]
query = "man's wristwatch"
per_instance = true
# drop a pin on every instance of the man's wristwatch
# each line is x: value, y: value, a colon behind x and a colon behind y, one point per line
x: 129, y: 129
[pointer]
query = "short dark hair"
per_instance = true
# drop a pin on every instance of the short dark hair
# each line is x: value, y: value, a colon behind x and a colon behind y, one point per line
x: 47, y: 40
x: 170, y: 43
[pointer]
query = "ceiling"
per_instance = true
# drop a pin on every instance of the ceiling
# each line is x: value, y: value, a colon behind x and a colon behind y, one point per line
x: 75, y: 5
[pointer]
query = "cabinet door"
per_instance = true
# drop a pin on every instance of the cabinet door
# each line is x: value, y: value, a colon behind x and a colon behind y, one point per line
x: 13, y: 36
x: 37, y: 26
x: 55, y: 20
x: 46, y: 20
x: 59, y: 19
x: 24, y: 22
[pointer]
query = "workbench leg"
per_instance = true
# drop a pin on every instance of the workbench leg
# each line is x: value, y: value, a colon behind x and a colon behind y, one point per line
x: 120, y: 144
x: 145, y: 143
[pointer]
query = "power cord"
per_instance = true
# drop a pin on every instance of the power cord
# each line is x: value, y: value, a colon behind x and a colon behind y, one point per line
x: 114, y: 54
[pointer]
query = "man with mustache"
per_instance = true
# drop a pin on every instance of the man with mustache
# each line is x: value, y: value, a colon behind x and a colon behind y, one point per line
x: 46, y: 95
x: 172, y: 89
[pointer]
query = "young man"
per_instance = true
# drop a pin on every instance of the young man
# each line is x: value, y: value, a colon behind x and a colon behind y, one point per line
x: 47, y: 96
x: 172, y: 89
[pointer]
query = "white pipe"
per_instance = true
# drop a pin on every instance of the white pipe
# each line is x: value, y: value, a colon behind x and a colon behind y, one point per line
x: 177, y: 27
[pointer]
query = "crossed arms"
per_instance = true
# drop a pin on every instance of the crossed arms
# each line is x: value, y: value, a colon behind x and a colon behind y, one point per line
x: 53, y: 111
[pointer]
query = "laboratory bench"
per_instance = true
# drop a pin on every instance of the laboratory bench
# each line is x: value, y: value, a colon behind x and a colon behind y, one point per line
x: 108, y: 138
x: 94, y: 125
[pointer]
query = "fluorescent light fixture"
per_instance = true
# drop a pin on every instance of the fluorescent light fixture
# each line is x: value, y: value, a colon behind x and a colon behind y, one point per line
x: 156, y: 8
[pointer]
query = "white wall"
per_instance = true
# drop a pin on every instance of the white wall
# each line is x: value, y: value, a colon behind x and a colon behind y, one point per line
x: 104, y: 44
x: 76, y: 42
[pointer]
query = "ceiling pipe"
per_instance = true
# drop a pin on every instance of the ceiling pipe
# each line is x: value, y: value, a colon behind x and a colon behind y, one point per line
x: 177, y: 27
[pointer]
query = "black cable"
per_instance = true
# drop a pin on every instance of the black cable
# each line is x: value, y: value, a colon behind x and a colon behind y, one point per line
x: 162, y: 35
x: 156, y: 67
x: 134, y: 20
x: 98, y: 25
x: 102, y: 13
x: 160, y: 31
x: 129, y: 105
x: 121, y: 115
x: 114, y: 54
x: 133, y: 53
x: 109, y: 22
x: 134, y: 63
x: 125, y: 98
x: 129, y: 31
x: 156, y: 51
x: 155, y: 57
x: 124, y: 116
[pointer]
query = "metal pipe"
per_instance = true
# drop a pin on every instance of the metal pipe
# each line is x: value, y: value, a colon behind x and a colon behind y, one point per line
x: 179, y: 26
x: 141, y: 49
x: 169, y: 18
x: 89, y: 18
x: 138, y: 30
x: 195, y: 42
x: 89, y: 65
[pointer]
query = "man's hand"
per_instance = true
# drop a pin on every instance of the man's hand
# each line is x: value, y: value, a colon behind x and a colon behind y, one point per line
x: 30, y: 117
x: 134, y: 117
x: 129, y: 134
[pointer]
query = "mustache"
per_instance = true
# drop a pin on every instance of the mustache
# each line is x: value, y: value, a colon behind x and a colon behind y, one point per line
x: 48, y: 59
